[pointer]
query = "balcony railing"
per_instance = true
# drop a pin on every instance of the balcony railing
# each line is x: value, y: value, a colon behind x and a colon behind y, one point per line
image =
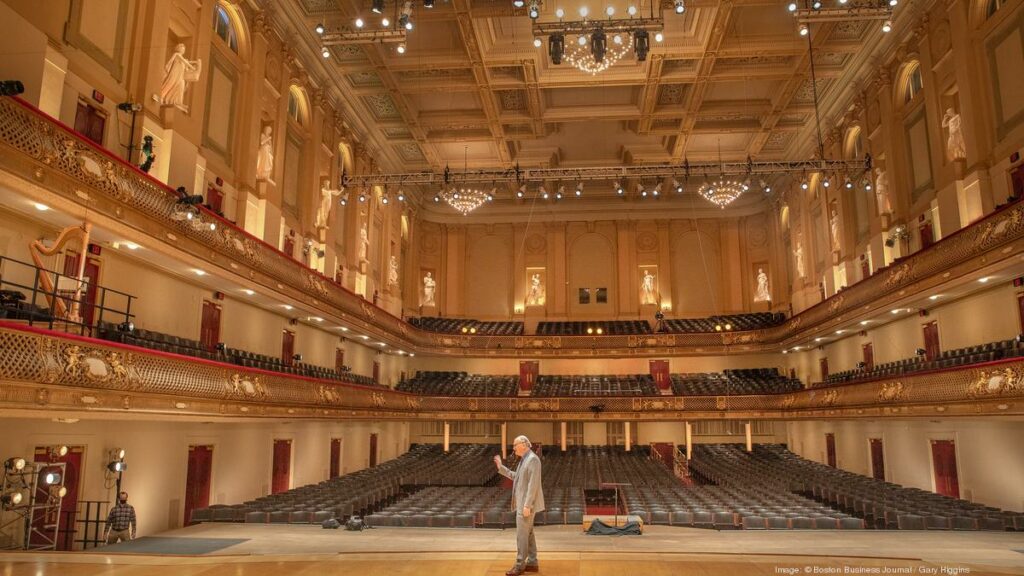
x: 38, y: 148
x: 42, y: 369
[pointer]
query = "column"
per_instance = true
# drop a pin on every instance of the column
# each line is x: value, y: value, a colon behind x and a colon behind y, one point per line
x: 629, y: 437
x: 447, y: 436
x: 564, y: 426
x: 504, y: 439
x: 689, y: 441
x: 746, y: 429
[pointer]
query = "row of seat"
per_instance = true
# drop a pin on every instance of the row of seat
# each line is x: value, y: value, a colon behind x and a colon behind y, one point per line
x: 440, y: 383
x: 466, y: 326
x: 730, y: 322
x: 734, y: 382
x: 600, y: 385
x: 599, y: 327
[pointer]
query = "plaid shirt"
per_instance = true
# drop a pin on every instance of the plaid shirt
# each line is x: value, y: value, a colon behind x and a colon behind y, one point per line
x: 121, y: 517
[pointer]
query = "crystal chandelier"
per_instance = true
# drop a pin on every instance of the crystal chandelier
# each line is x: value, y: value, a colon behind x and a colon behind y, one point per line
x: 465, y: 200
x: 583, y: 58
x: 722, y: 192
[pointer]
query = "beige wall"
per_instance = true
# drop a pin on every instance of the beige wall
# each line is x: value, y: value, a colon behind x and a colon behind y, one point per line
x: 595, y: 365
x: 157, y: 454
x: 990, y: 455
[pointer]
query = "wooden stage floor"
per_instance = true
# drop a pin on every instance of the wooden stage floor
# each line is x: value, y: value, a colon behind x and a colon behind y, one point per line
x: 261, y: 550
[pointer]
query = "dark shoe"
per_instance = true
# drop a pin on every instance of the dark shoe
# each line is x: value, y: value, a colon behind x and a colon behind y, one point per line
x: 531, y: 568
x: 515, y: 571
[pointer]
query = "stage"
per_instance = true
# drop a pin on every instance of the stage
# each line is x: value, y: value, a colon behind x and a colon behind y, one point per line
x: 265, y: 550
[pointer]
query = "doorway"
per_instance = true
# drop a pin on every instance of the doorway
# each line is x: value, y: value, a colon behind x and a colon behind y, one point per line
x: 947, y: 481
x: 877, y: 459
x: 209, y: 331
x: 281, y: 477
x: 373, y: 450
x: 90, y: 277
x: 335, y: 469
x: 197, y: 480
x: 830, y: 448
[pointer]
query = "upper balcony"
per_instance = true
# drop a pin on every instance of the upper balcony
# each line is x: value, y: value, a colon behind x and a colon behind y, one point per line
x: 45, y: 160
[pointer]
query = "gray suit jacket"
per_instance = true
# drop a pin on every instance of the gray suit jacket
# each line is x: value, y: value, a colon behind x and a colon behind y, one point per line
x: 526, y: 488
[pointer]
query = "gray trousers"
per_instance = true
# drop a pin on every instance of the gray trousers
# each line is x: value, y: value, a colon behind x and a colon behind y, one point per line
x: 526, y: 543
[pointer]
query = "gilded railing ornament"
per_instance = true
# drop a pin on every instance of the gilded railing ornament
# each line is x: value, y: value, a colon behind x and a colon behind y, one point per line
x: 379, y: 401
x: 368, y: 311
x: 897, y: 276
x: 836, y: 303
x: 329, y: 394
x: 246, y: 386
x: 995, y: 382
x: 891, y: 392
x: 830, y: 397
x: 535, y: 405
x: 788, y: 400
x: 413, y: 403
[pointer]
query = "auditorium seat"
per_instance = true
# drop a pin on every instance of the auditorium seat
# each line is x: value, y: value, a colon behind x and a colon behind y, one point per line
x: 256, y: 517
x: 202, y: 515
x: 754, y: 523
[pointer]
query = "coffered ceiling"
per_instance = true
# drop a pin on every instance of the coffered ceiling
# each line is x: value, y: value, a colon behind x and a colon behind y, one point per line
x: 730, y: 80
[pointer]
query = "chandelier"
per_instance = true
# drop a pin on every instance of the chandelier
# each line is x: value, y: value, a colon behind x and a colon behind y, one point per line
x: 583, y: 58
x: 722, y: 192
x: 465, y: 200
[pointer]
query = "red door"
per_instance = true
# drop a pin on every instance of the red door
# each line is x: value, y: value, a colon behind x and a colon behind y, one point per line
x: 830, y: 448
x: 214, y: 199
x: 289, y: 246
x: 43, y: 518
x: 869, y: 356
x: 1020, y: 311
x: 659, y: 371
x: 339, y: 360
x: 877, y: 459
x: 373, y: 450
x: 281, y: 475
x: 197, y: 480
x: 287, y: 347
x: 1017, y: 178
x: 90, y: 122
x: 931, y: 340
x: 927, y: 233
x: 944, y: 462
x: 665, y: 452
x: 376, y: 372
x: 823, y: 366
x: 528, y: 371
x: 91, y: 278
x: 209, y: 331
x: 335, y: 458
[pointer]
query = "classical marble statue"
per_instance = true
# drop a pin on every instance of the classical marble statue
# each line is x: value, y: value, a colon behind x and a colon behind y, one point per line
x: 647, y: 295
x: 882, y: 192
x: 956, y: 149
x: 833, y: 223
x: 536, y: 295
x: 798, y: 253
x: 393, y: 271
x: 761, y: 294
x: 178, y: 73
x: 265, y: 155
x: 428, y: 290
x: 323, y: 212
x: 364, y: 244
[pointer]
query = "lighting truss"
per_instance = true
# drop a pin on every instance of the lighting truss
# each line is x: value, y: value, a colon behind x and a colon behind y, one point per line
x: 853, y: 11
x: 854, y: 168
x: 34, y: 523
x: 585, y: 27
x: 347, y: 36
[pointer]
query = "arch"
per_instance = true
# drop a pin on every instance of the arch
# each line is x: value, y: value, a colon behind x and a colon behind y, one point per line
x: 298, y: 105
x: 853, y: 143
x: 909, y: 82
x: 229, y: 26
x: 697, y: 267
x: 345, y: 155
x: 591, y: 259
x: 488, y: 278
x: 784, y: 217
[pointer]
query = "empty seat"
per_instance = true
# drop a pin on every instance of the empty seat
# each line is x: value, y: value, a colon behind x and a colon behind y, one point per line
x: 754, y: 523
x: 256, y: 517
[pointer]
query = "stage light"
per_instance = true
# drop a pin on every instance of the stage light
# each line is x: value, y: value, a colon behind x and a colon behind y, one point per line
x: 677, y: 186
x: 62, y: 492
x: 51, y: 478
x: 362, y: 197
x: 641, y: 44
x: 344, y: 200
x: 377, y: 7
x: 14, y: 464
x: 893, y: 3
x: 617, y: 39
x: 385, y: 22
x: 641, y: 190
x: 559, y: 13
x: 867, y: 184
x: 680, y: 7
x: 11, y: 88
x: 319, y: 28
x: 658, y: 36
x: 582, y: 40
x: 556, y: 48
x: 657, y: 189
x: 599, y: 331
x: 61, y: 450
x: 843, y: 2
x: 537, y: 43
x: 618, y: 189
x: 728, y: 326
x: 804, y: 184
x: 12, y: 499
x: 848, y: 183
x: 584, y: 11
x: 408, y: 25
x: 792, y: 7
x: 631, y: 10
x: 816, y: 4
x: 472, y: 330
x: 518, y: 3
x: 428, y: 3
x: 579, y: 189
x: 804, y: 30
x: 325, y: 53
x: 401, y: 48
x: 590, y: 330
x: 521, y: 192
x: 826, y: 182
x: 401, y: 196
x: 598, y: 45
x: 384, y: 199
x: 534, y: 11
x: 543, y: 192
x: 465, y: 329
x: 887, y: 26
x: 359, y: 22
x: 117, y: 466
x: 610, y: 11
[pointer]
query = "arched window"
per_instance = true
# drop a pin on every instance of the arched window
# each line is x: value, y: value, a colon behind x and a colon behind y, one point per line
x: 297, y: 105
x: 914, y: 83
x: 223, y: 28
x: 853, y: 148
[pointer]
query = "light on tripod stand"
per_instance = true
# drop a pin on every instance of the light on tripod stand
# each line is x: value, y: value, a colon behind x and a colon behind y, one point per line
x: 117, y: 466
x: 52, y: 478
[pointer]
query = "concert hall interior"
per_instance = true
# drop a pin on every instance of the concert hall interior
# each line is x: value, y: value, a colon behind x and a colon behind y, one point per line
x: 748, y: 273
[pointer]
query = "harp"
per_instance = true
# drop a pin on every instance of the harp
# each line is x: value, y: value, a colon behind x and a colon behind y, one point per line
x: 58, y: 307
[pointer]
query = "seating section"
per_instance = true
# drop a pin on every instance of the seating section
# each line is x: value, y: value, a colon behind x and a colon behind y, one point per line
x: 947, y: 359
x: 734, y: 382
x: 13, y: 306
x: 188, y: 347
x: 431, y: 383
x: 736, y: 322
x: 366, y: 490
x: 602, y: 327
x: 878, y: 503
x: 466, y: 326
x: 602, y: 385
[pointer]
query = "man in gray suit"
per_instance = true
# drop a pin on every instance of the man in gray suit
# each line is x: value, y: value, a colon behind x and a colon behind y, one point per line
x: 528, y: 499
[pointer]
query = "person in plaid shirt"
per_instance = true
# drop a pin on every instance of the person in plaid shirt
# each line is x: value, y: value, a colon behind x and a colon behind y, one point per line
x: 121, y: 521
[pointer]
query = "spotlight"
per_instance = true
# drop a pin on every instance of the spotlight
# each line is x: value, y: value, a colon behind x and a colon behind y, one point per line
x: 117, y: 466
x: 52, y: 478
x: 385, y: 22
x: 14, y: 464
x: 559, y: 13
x: 598, y: 44
x: 61, y: 450
x: 816, y: 4
x: 579, y: 189
x: 344, y: 200
x: 472, y: 330
x: 406, y: 14
x: 792, y: 7
x: 826, y: 182
x: 362, y: 197
x: 641, y: 44
x: 657, y: 189
x: 728, y: 326
x: 680, y: 7
x: 848, y: 183
x: 11, y: 499
x: 384, y: 200
x: 556, y: 48
x: 887, y: 26
x: 584, y: 11
x: 803, y: 30
x: 631, y: 10
x: 377, y: 7
x: 617, y: 39
x: 319, y: 28
x: 521, y: 192
x: 537, y: 43
x: 401, y: 196
x: 518, y: 3
x: 359, y: 22
x: 641, y: 190
x: 465, y: 329
x: 599, y: 330
x: 803, y: 184
x: 893, y: 3
x: 325, y: 52
x: 401, y: 48
x: 428, y: 3
x: 582, y: 40
x: 618, y: 189
x: 843, y: 2
x: 534, y: 12
x: 62, y: 492
x: 658, y: 36
x: 11, y: 87
x: 543, y: 192
x: 126, y: 326
x: 590, y: 330
x: 297, y: 357
x: 677, y: 185
x: 867, y: 184
x: 437, y: 198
